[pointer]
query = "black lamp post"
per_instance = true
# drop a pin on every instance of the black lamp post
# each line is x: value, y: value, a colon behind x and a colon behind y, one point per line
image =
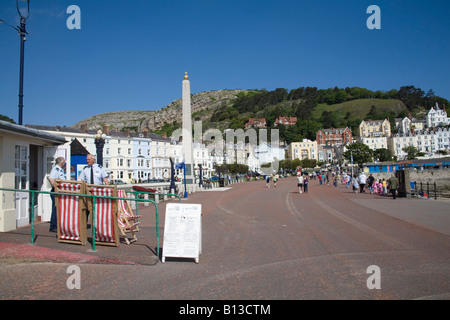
x: 22, y: 33
x: 172, y: 176
x: 23, y: 13
x: 200, y: 183
x: 100, y: 138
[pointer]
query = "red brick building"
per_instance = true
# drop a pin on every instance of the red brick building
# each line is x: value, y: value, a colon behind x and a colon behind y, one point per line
x: 257, y: 123
x: 287, y: 121
x: 332, y: 137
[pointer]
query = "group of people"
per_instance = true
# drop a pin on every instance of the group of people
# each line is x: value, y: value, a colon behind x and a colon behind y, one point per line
x: 275, y: 178
x: 376, y: 186
x: 93, y: 173
x: 359, y: 182
x: 302, y: 183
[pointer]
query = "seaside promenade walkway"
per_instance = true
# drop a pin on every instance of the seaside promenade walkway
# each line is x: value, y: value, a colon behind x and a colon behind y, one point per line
x: 257, y: 243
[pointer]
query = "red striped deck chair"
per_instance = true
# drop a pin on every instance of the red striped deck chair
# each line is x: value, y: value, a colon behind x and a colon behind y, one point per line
x: 128, y: 223
x: 71, y: 212
x: 106, y: 229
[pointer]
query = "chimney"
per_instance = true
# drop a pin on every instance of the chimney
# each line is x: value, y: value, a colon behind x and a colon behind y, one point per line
x: 145, y: 133
x: 164, y: 135
x: 83, y: 128
x: 127, y: 132
x: 106, y: 129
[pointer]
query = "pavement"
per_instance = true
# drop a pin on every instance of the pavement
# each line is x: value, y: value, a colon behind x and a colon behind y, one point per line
x: 16, y: 246
x: 257, y: 244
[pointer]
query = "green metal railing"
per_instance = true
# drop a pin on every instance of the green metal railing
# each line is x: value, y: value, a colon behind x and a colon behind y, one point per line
x: 94, y: 197
x: 155, y: 193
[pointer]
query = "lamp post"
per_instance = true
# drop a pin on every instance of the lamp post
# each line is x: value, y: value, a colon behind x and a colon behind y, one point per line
x: 100, y: 138
x: 24, y: 14
x: 172, y: 177
x: 22, y: 33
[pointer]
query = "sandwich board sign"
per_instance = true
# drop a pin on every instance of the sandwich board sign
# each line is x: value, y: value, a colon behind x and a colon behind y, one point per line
x: 182, y: 231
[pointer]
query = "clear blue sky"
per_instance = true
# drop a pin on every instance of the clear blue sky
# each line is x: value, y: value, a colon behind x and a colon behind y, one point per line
x: 132, y: 55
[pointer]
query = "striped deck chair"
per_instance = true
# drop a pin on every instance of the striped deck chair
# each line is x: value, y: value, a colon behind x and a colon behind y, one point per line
x: 127, y: 221
x: 106, y: 229
x: 71, y: 215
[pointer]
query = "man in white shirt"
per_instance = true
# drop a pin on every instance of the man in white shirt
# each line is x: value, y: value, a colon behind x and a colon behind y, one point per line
x: 93, y: 173
x: 58, y: 172
x: 362, y: 182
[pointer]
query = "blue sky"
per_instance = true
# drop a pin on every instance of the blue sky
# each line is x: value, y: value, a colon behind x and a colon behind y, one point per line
x: 132, y: 55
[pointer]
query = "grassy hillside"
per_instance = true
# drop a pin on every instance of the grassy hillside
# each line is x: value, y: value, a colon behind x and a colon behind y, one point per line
x: 358, y: 109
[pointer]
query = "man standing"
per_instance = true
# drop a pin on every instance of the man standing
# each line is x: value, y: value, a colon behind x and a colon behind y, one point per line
x: 93, y: 173
x: 300, y: 183
x: 362, y: 182
x: 370, y: 180
x: 58, y: 172
x: 393, y: 186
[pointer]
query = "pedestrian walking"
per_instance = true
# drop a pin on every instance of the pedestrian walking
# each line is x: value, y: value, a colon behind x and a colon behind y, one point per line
x: 380, y: 187
x: 355, y: 184
x: 300, y: 183
x: 275, y: 179
x: 393, y: 186
x: 362, y: 182
x: 268, y: 181
x: 384, y: 184
x: 370, y: 181
x: 305, y: 183
x: 375, y: 187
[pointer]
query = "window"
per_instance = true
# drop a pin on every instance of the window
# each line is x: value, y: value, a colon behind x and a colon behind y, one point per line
x: 21, y: 167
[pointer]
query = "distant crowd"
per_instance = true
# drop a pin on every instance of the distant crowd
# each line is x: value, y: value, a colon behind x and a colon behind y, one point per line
x: 360, y: 183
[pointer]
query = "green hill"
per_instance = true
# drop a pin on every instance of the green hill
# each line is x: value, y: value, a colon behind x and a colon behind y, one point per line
x: 358, y: 109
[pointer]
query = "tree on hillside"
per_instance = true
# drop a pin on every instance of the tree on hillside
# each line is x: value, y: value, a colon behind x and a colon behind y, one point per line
x: 412, y: 152
x: 329, y: 119
x: 411, y: 96
x: 361, y: 154
x: 382, y: 155
x: 308, y: 128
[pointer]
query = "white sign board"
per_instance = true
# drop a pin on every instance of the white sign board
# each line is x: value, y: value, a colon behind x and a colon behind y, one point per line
x: 182, y: 231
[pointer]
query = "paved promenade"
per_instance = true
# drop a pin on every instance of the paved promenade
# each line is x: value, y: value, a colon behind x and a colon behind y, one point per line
x: 257, y: 243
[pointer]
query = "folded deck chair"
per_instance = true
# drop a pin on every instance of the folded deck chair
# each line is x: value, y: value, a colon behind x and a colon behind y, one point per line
x: 127, y: 221
x: 105, y: 214
x: 71, y: 212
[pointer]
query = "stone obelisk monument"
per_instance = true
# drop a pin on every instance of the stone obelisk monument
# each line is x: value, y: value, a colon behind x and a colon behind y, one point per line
x: 187, y: 130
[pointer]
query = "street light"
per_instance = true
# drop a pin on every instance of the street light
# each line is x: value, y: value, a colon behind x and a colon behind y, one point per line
x: 100, y: 138
x: 24, y: 14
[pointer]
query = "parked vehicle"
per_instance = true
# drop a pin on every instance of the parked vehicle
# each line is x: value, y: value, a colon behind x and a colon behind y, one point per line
x: 117, y: 181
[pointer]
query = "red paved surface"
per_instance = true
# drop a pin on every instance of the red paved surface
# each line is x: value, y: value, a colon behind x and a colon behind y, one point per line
x: 258, y: 243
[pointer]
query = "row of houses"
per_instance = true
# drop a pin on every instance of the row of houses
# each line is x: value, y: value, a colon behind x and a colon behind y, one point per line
x: 137, y: 157
x: 330, y: 144
x: 261, y: 123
